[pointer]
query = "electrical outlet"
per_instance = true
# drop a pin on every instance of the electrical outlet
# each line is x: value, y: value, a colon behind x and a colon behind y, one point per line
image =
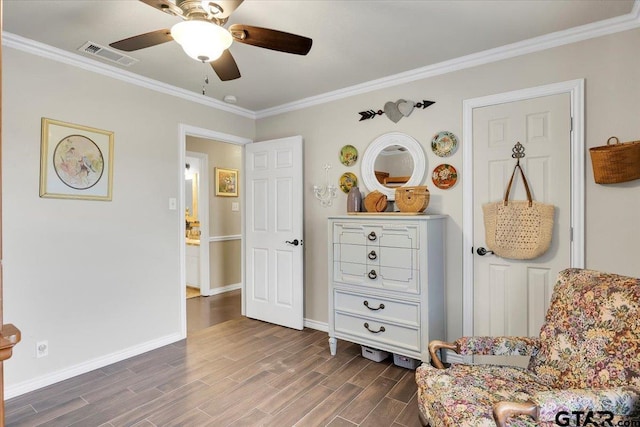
x: 42, y: 349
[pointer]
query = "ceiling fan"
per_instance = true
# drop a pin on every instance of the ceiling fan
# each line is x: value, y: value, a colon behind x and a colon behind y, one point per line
x: 203, y: 37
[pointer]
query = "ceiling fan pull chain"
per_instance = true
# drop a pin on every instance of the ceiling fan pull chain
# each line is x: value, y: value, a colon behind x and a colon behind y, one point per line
x: 206, y: 78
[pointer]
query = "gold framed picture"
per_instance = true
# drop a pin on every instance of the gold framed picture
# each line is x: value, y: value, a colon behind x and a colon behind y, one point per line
x: 76, y: 162
x: 226, y: 182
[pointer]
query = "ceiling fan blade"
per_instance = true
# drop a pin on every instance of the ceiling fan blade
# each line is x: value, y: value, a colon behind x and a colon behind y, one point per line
x: 143, y: 40
x: 165, y: 6
x: 220, y: 9
x: 271, y: 39
x: 226, y: 67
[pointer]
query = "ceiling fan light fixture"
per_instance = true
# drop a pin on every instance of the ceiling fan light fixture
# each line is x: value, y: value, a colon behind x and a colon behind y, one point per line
x: 202, y: 40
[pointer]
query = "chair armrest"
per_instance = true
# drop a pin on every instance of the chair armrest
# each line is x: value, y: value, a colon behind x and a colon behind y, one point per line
x: 502, y: 411
x: 436, y: 345
x: 485, y: 346
x: 498, y: 346
x: 547, y: 406
x: 9, y: 337
x: 623, y: 401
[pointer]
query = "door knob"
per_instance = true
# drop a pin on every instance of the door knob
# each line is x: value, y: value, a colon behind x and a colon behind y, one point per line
x: 294, y: 243
x: 482, y: 251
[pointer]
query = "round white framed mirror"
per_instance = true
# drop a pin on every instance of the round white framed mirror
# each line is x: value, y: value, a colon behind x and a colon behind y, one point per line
x: 393, y: 160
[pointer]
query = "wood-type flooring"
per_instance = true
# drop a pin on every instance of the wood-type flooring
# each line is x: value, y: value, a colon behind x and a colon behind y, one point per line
x: 240, y: 372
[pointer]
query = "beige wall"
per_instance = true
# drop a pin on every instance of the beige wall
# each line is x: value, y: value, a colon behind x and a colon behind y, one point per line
x: 610, y: 67
x: 225, y: 263
x: 96, y: 279
x: 225, y: 256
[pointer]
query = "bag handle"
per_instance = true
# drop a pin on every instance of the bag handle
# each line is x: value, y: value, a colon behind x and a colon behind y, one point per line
x: 526, y: 185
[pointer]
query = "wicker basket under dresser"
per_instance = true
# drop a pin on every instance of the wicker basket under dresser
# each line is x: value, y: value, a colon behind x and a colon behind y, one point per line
x: 386, y: 282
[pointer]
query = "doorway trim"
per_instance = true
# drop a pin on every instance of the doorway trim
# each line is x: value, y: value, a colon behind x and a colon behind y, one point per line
x: 575, y: 89
x: 203, y: 212
x: 185, y: 130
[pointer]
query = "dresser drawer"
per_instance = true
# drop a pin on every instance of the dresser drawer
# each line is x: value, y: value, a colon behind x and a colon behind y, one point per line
x: 381, y: 309
x: 358, y: 254
x: 374, y: 255
x: 374, y: 331
x: 379, y: 234
x: 389, y: 278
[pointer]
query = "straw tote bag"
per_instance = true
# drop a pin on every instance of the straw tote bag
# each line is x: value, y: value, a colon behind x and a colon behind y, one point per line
x: 518, y: 229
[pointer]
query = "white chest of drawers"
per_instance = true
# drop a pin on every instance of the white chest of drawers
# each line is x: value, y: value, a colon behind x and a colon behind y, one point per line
x: 386, y: 282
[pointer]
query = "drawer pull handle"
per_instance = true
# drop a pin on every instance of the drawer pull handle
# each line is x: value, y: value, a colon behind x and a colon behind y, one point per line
x: 372, y: 275
x: 366, y: 325
x: 366, y: 304
x: 372, y: 236
x: 372, y: 255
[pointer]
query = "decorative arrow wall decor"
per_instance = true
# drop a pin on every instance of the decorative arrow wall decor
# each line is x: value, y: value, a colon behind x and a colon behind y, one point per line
x: 395, y: 110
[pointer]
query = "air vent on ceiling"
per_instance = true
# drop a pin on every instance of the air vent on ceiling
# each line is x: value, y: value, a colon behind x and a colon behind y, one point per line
x: 107, y: 53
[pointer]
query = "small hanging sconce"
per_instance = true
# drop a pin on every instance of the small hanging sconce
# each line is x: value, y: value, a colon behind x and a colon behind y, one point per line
x: 325, y: 192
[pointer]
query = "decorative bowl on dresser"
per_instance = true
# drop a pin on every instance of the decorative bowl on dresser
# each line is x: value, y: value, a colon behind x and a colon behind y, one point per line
x: 386, y: 282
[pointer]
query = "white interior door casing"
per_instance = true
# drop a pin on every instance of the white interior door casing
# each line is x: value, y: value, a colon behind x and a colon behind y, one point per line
x: 274, y: 216
x: 184, y: 131
x: 509, y: 297
x: 200, y: 264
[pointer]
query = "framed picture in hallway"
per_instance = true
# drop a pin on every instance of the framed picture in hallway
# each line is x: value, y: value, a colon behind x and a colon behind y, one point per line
x: 226, y: 182
x: 76, y: 162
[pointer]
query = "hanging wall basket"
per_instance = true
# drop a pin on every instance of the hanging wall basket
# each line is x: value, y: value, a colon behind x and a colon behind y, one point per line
x: 616, y: 162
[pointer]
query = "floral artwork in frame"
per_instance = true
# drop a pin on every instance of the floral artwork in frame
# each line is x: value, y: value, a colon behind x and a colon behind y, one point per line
x: 226, y: 182
x: 76, y: 162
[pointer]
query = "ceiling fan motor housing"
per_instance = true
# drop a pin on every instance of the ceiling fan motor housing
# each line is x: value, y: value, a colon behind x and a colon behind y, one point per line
x: 200, y: 9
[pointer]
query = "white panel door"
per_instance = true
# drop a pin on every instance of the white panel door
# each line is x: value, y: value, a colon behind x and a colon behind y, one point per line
x: 511, y: 296
x: 274, y: 227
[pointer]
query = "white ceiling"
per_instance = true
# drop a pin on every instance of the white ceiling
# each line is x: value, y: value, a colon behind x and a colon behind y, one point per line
x: 354, y: 41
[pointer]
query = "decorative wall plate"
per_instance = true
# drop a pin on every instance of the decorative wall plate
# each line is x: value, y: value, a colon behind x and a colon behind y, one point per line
x: 444, y: 176
x: 444, y: 144
x: 348, y: 180
x: 348, y: 155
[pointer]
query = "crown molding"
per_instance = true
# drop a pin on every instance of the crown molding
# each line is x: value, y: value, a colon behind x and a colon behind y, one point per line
x: 33, y: 47
x: 560, y: 38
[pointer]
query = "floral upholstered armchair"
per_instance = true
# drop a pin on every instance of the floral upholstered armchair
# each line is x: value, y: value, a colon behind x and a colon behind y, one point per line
x: 584, y: 368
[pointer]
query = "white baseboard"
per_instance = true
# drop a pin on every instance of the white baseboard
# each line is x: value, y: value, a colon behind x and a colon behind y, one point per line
x: 90, y: 365
x: 223, y: 289
x: 100, y: 362
x: 313, y: 324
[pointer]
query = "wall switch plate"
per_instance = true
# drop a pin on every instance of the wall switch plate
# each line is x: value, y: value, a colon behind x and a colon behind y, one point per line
x: 235, y: 206
x: 42, y: 349
x: 173, y: 204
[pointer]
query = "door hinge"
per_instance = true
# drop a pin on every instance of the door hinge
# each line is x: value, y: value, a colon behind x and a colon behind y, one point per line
x: 571, y: 234
x: 571, y: 124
